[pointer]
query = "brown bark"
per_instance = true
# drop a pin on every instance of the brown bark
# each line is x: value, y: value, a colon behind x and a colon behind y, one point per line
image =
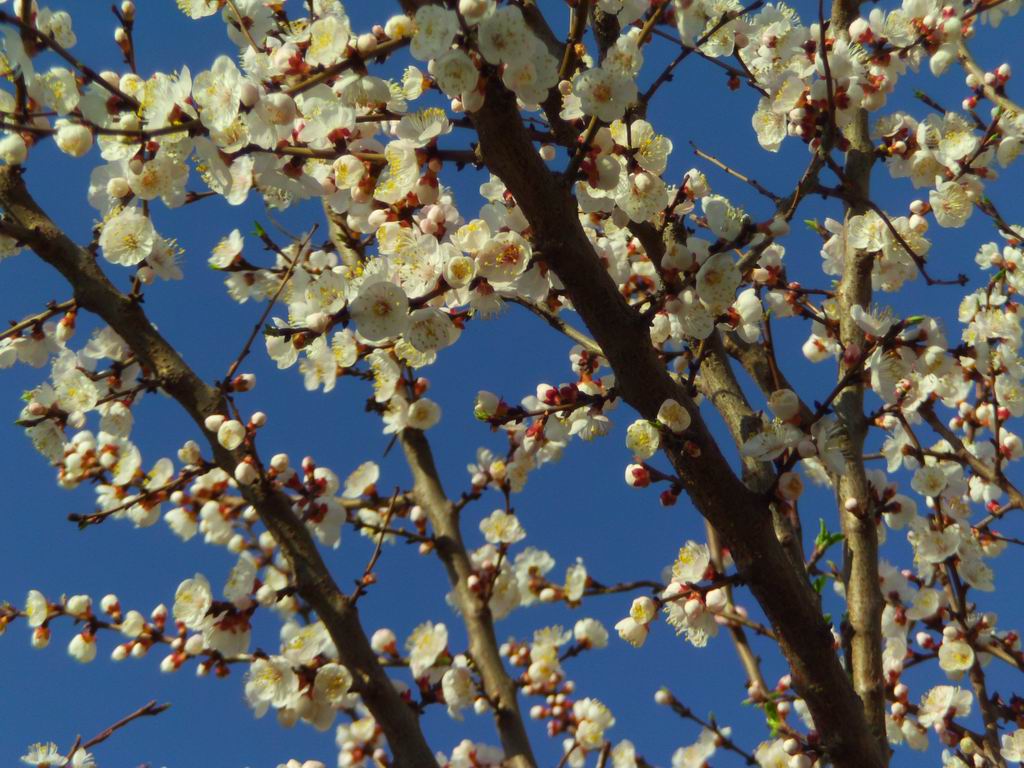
x: 94, y: 292
x: 740, y: 515
x: 476, y: 614
x: 863, y: 595
x: 718, y: 384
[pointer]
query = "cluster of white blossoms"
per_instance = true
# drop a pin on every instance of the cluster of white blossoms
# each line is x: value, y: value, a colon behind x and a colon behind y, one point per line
x: 49, y: 755
x: 583, y: 720
x: 297, y: 115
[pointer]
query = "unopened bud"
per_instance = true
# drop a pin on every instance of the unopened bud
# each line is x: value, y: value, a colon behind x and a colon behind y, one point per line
x: 637, y: 476
x: 317, y: 322
x: 784, y: 403
x: 366, y: 43
x: 214, y: 421
x: 246, y: 473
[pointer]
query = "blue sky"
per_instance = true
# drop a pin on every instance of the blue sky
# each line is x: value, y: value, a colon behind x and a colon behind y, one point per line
x: 579, y: 507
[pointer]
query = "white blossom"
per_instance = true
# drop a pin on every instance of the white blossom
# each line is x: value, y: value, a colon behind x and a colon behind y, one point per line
x: 127, y: 238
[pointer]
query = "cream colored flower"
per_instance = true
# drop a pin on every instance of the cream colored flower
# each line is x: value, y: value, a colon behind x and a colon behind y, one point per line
x: 643, y: 439
x: 127, y: 238
x: 717, y: 281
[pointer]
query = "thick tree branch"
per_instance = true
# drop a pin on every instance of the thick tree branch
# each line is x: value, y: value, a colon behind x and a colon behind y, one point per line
x: 719, y: 386
x: 94, y: 292
x: 753, y: 358
x: 860, y: 571
x: 476, y: 614
x: 739, y: 514
x: 751, y: 663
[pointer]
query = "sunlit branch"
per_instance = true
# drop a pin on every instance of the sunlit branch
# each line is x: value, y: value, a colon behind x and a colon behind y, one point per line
x: 724, y: 738
x: 52, y: 309
x: 90, y: 74
x: 474, y: 608
x: 860, y: 545
x: 735, y: 174
x: 666, y: 74
x: 148, y: 710
x: 95, y: 293
x: 783, y: 591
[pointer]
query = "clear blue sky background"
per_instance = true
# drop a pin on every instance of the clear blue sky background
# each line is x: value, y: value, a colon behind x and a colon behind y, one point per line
x: 579, y: 507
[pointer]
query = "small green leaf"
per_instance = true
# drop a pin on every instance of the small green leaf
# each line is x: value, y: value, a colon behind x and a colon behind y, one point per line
x: 822, y: 532
x: 771, y: 713
x: 826, y: 538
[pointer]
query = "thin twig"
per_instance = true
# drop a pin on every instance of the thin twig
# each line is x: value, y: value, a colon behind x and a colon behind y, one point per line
x: 736, y: 174
x: 558, y: 324
x: 51, y: 310
x: 95, y: 518
x: 581, y: 150
x: 89, y: 73
x: 244, y: 27
x: 342, y: 66
x: 723, y: 738
x: 150, y: 709
x: 368, y: 577
x: 247, y: 348
x: 577, y: 26
x: 666, y: 73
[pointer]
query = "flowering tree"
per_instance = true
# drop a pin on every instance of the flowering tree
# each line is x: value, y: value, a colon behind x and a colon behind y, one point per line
x: 663, y: 289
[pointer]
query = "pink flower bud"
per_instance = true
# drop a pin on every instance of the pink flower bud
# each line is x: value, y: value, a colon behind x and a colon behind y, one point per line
x: 384, y: 642
x: 637, y: 476
x: 851, y: 355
